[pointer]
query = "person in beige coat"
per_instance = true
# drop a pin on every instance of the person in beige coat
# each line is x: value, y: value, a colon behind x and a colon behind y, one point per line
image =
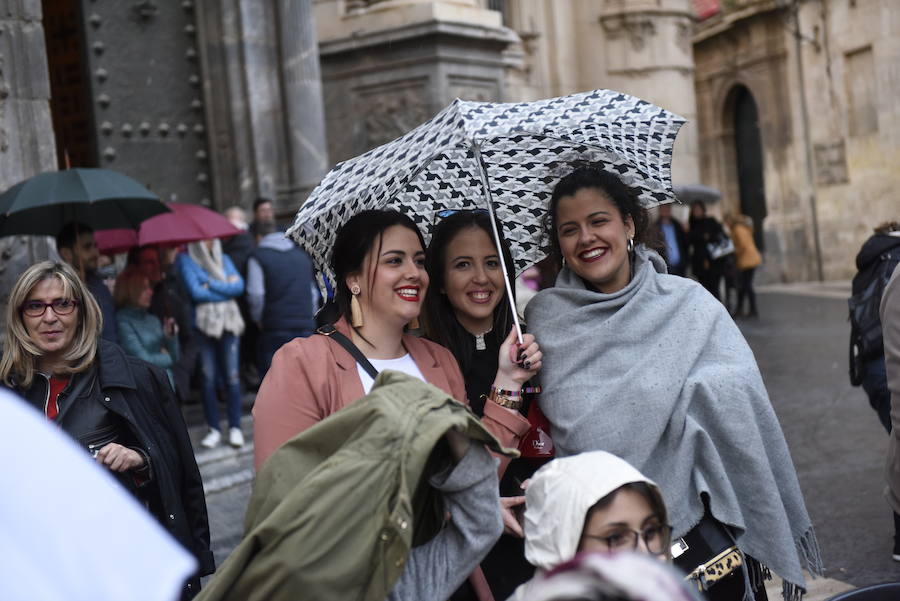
x: 747, y: 259
x: 890, y: 328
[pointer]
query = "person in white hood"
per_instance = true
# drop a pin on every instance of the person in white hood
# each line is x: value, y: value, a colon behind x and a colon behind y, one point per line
x: 590, y: 502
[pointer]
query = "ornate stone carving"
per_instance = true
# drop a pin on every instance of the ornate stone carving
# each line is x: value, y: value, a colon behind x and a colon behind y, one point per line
x: 637, y: 27
x: 472, y: 89
x: 831, y: 164
x: 391, y: 112
x: 684, y: 36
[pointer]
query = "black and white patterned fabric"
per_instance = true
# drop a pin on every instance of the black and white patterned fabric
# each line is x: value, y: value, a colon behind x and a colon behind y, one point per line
x: 526, y: 148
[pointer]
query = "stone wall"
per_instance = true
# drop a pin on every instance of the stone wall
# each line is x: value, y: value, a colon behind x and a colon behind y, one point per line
x: 263, y: 93
x: 641, y: 47
x: 830, y: 127
x: 387, y: 67
x: 26, y: 132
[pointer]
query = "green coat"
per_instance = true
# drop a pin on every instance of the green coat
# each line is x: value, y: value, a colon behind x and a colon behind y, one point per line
x: 332, y: 511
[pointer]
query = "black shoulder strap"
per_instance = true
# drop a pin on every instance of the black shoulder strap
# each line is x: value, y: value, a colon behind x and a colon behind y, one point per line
x: 328, y: 330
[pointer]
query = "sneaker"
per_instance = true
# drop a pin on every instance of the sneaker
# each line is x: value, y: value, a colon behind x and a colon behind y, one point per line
x: 212, y: 439
x: 236, y: 437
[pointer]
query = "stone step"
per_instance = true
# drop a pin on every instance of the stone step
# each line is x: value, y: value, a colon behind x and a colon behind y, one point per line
x: 224, y: 467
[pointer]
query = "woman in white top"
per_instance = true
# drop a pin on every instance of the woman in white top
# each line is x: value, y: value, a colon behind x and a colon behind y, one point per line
x: 379, y: 264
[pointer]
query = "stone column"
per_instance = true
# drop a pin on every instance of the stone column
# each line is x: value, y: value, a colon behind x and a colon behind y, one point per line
x: 648, y: 53
x: 302, y: 86
x: 27, y: 145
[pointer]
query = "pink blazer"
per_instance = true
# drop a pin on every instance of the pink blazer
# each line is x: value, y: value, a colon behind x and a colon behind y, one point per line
x: 311, y: 378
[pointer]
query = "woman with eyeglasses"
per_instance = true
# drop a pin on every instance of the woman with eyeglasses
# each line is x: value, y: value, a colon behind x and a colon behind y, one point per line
x: 467, y: 311
x: 652, y: 368
x: 591, y: 502
x: 118, y: 408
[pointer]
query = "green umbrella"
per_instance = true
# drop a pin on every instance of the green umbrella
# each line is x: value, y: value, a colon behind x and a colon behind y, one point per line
x: 99, y: 198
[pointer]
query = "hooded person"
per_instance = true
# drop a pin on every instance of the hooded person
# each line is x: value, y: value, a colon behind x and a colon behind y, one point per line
x: 590, y: 502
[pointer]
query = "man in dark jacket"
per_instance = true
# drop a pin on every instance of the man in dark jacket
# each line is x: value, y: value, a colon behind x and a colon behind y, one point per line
x: 280, y: 292
x: 123, y: 393
x: 674, y: 238
x: 75, y: 245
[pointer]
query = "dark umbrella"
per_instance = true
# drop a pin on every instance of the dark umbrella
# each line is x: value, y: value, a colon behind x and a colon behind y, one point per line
x: 693, y: 192
x: 98, y: 198
x: 185, y: 223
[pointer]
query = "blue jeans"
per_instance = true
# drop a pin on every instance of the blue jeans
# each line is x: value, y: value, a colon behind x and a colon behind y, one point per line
x: 875, y: 384
x: 268, y: 344
x: 219, y: 361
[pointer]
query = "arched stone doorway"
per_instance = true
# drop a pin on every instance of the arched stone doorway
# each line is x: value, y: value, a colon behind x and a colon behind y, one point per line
x: 743, y: 117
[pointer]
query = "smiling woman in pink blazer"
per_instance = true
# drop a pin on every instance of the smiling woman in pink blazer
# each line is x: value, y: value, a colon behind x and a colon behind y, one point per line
x: 379, y: 263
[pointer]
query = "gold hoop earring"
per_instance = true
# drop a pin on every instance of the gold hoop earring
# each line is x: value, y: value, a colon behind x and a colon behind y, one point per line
x: 356, y: 316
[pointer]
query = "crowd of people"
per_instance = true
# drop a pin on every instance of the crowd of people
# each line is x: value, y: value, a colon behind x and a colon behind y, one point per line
x: 712, y: 254
x: 665, y: 441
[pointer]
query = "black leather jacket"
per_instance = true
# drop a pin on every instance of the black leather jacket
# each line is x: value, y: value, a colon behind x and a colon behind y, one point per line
x: 129, y: 399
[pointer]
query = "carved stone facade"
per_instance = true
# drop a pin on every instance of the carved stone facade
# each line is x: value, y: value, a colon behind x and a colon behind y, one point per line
x: 387, y: 68
x: 642, y: 47
x: 26, y: 133
x: 262, y: 87
x: 824, y: 81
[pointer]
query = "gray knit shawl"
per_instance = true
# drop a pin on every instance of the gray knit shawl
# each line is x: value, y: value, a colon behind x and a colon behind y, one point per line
x: 658, y: 374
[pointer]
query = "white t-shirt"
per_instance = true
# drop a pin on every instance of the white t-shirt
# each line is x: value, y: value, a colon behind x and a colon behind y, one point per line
x: 404, y: 364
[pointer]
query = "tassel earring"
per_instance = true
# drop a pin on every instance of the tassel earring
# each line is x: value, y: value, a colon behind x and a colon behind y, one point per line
x: 356, y: 316
x: 414, y: 324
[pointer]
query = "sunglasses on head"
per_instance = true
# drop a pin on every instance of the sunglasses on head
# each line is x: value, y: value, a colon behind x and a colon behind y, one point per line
x: 443, y: 214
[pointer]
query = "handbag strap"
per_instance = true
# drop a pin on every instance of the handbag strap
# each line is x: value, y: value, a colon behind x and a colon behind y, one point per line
x: 331, y: 332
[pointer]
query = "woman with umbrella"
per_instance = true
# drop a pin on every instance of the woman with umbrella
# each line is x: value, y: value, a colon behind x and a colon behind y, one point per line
x: 120, y: 409
x: 650, y: 367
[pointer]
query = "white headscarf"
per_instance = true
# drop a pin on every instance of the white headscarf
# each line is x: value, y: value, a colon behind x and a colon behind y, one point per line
x: 559, y: 496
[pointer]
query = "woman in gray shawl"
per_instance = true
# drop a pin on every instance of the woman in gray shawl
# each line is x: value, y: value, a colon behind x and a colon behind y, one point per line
x: 650, y: 367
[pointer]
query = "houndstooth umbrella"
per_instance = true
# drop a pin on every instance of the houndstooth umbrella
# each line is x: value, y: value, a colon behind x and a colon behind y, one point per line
x: 503, y: 156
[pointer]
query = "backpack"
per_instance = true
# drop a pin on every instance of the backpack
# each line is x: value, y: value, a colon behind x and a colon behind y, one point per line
x: 865, y: 323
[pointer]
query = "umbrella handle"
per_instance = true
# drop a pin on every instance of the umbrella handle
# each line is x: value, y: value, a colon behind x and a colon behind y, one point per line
x: 482, y: 171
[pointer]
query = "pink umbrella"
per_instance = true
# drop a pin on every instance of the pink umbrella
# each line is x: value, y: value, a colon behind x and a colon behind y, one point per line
x: 186, y: 223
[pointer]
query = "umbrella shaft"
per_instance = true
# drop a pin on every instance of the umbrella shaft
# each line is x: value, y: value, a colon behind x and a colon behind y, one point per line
x: 482, y: 171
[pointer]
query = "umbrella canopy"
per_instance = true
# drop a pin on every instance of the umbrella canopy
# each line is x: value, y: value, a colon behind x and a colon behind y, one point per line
x: 185, y: 223
x: 472, y: 152
x: 692, y: 192
x: 99, y: 198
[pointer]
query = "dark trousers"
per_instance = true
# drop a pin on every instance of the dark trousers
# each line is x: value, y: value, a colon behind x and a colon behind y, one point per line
x: 268, y: 343
x: 745, y: 290
x: 711, y: 280
x: 875, y: 384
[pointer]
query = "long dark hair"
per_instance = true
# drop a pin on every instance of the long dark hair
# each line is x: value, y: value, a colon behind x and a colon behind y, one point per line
x: 622, y: 196
x: 439, y: 319
x: 362, y: 233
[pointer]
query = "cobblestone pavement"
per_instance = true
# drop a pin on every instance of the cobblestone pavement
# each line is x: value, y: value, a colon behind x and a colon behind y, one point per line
x: 838, y: 446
